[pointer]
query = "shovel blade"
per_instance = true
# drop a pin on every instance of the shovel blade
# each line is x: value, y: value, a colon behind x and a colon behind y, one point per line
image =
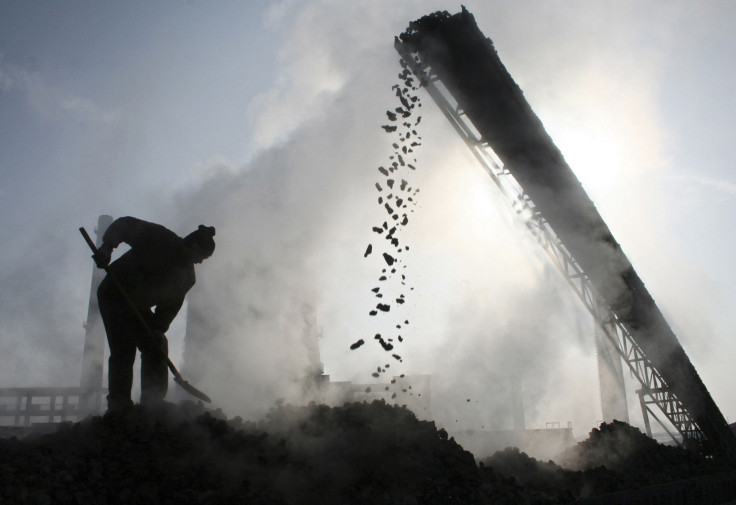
x: 192, y: 390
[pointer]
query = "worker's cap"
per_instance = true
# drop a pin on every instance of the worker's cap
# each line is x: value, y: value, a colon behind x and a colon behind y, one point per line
x: 202, y: 239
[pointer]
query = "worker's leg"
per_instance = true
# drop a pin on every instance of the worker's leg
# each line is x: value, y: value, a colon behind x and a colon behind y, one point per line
x: 154, y: 371
x: 120, y: 328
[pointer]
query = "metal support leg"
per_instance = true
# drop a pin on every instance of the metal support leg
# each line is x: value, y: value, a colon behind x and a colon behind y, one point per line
x: 644, y: 412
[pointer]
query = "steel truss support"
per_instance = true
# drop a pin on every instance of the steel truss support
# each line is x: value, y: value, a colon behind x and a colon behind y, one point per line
x: 654, y: 387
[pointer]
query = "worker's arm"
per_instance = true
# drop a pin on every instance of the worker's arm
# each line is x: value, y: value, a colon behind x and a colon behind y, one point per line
x: 134, y: 232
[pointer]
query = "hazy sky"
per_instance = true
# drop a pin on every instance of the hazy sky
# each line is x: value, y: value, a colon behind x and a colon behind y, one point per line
x: 263, y: 119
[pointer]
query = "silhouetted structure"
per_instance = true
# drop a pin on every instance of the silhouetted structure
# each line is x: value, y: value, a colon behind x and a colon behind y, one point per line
x: 492, y: 115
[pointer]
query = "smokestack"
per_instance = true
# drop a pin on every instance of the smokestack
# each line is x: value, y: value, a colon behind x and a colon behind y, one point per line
x: 517, y: 403
x: 315, y: 378
x: 94, y: 339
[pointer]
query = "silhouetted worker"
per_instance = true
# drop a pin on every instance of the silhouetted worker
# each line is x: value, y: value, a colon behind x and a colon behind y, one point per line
x: 157, y: 272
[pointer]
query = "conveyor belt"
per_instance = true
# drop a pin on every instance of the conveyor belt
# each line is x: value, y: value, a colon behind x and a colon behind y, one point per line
x: 455, y: 51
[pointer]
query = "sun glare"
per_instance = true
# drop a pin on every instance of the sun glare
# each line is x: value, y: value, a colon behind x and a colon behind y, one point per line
x: 593, y: 158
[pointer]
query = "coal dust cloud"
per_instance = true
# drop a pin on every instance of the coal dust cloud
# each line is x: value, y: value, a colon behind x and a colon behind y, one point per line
x: 272, y: 121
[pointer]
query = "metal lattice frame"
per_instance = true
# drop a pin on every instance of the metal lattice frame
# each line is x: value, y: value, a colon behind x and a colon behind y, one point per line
x: 654, y: 387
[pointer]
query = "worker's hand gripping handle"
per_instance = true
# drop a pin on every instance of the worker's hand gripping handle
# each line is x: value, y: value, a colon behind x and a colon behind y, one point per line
x: 101, y: 255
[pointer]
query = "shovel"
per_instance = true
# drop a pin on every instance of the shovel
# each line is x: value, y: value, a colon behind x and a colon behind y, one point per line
x: 177, y: 376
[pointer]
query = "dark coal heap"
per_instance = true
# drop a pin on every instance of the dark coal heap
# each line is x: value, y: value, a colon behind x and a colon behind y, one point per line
x: 615, y: 457
x: 359, y: 453
x: 636, y: 458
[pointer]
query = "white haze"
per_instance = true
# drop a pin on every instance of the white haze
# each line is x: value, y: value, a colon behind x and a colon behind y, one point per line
x: 291, y: 192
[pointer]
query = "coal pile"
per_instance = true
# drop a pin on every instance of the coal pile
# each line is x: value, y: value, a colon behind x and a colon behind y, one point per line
x: 615, y: 457
x: 359, y: 453
x: 637, y: 459
x: 547, y: 482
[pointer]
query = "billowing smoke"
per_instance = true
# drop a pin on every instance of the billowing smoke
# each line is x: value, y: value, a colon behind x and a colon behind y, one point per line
x: 292, y: 228
x: 286, y: 225
x: 290, y: 269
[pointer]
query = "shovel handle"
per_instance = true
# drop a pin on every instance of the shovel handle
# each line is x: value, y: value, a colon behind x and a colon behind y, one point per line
x: 89, y: 240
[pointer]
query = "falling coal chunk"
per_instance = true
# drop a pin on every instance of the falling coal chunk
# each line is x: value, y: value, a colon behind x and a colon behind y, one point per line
x: 368, y: 250
x: 387, y: 346
x: 357, y: 344
x: 389, y: 259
